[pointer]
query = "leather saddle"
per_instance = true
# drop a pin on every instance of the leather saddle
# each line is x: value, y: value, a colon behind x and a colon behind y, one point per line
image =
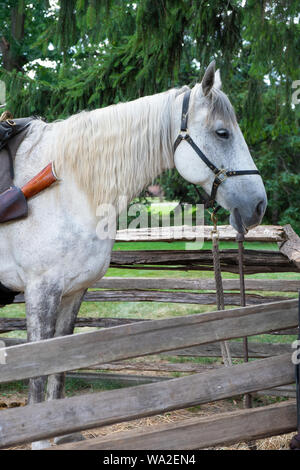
x: 13, y: 203
x: 12, y: 134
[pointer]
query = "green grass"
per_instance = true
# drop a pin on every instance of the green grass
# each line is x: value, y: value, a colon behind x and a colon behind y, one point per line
x: 13, y: 387
x: 73, y: 387
x: 176, y: 245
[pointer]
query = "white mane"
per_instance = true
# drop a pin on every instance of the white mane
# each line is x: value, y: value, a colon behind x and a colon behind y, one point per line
x: 118, y: 150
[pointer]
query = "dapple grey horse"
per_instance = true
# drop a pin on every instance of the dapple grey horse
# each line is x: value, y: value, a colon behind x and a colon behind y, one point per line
x: 56, y: 253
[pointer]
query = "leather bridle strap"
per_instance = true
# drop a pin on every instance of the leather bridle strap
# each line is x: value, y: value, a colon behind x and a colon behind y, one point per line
x: 220, y: 174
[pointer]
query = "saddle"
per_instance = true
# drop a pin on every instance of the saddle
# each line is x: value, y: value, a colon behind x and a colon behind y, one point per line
x: 12, y: 133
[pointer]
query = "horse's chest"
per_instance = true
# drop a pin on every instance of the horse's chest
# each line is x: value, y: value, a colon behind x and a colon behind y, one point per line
x: 87, y: 260
x: 73, y: 255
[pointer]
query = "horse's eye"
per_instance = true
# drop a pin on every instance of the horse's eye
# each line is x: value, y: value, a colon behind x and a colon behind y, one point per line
x: 222, y: 133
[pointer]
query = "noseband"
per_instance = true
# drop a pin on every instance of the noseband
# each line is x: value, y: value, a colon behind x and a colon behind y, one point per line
x: 220, y: 174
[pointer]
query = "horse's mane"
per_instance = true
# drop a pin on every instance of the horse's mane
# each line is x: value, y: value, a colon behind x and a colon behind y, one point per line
x: 116, y: 151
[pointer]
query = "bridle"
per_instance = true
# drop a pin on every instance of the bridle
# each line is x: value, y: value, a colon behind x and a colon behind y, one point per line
x: 220, y: 174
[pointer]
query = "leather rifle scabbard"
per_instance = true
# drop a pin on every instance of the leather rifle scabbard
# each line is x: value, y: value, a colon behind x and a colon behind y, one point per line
x: 13, y: 205
x: 41, y: 181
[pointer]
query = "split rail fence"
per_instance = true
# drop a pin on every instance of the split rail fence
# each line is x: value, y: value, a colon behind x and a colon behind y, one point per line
x: 111, y: 348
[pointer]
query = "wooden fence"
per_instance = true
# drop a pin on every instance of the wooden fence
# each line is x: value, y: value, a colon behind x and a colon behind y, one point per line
x: 112, y: 348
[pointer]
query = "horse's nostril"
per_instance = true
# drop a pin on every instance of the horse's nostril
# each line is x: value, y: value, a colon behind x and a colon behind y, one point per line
x: 260, y: 208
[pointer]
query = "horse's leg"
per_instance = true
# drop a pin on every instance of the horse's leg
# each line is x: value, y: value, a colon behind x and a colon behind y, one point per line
x: 65, y: 323
x: 42, y: 298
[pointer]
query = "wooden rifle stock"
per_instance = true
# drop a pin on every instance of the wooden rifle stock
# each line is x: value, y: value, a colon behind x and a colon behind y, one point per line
x: 41, y: 181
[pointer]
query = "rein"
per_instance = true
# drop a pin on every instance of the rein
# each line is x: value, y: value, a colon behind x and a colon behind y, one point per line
x: 295, y: 442
x: 225, y: 348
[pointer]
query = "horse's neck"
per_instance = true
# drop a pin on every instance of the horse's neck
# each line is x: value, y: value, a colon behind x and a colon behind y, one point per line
x: 32, y: 155
x: 108, y: 155
x: 115, y: 152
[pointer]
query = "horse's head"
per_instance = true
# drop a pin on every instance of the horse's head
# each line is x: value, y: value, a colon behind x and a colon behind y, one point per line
x: 213, y: 151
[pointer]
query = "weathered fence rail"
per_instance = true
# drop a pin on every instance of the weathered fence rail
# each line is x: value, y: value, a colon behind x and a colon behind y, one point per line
x: 59, y: 417
x: 144, y: 338
x: 255, y: 350
x: 255, y: 261
x: 66, y: 353
x: 176, y: 283
x: 262, y: 233
x: 134, y: 295
x: 200, y: 433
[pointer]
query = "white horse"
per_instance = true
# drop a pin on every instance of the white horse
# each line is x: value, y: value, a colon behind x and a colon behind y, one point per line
x: 54, y: 255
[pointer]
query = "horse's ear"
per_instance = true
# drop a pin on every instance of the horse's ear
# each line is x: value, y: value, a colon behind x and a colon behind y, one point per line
x: 218, y: 81
x: 209, y: 78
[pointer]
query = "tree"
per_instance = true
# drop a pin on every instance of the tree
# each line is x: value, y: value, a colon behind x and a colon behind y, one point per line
x: 10, y: 43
